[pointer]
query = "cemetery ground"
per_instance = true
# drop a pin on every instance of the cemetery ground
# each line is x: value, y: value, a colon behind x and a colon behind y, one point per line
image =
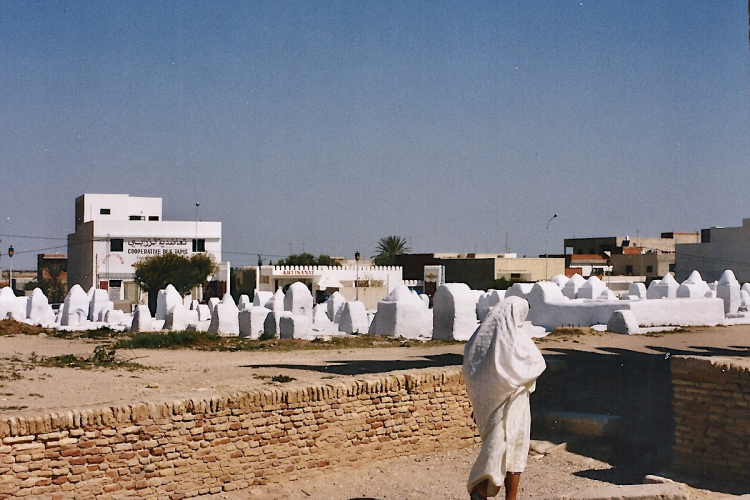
x: 603, y: 373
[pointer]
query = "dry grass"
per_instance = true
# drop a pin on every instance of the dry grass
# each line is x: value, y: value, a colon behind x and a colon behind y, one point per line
x: 13, y: 327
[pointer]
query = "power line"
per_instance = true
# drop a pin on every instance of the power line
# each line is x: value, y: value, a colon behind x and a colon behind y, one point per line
x: 40, y: 249
x: 30, y: 237
x: 252, y: 254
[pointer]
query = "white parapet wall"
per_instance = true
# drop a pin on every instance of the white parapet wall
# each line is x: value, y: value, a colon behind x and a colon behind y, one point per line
x: 550, y: 309
x: 678, y: 312
x: 324, y: 277
x: 649, y: 313
x: 576, y: 312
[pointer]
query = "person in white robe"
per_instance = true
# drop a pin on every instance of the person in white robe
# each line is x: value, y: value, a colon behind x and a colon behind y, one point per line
x: 500, y: 368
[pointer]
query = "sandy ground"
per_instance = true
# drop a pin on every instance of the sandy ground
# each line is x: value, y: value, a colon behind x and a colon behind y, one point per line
x: 442, y: 476
x: 174, y: 374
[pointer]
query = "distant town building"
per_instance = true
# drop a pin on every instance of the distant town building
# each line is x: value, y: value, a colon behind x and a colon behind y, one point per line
x: 52, y: 276
x: 57, y: 262
x: 719, y: 249
x: 480, y: 270
x: 114, y: 231
x: 647, y: 257
x: 614, y: 244
x: 587, y: 264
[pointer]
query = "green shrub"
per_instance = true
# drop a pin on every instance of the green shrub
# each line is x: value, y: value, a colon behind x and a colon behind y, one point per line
x: 156, y: 340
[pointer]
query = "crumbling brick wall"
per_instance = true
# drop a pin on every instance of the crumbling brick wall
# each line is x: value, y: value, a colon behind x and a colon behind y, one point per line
x: 712, y: 412
x: 186, y: 448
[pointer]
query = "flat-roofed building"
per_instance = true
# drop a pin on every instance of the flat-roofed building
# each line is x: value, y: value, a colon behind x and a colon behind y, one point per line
x: 614, y: 244
x: 49, y: 263
x: 480, y: 270
x: 719, y: 249
x: 367, y: 283
x: 647, y: 257
x: 114, y: 231
x: 587, y: 264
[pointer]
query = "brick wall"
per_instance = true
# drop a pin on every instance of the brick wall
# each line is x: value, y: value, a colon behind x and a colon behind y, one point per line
x: 712, y: 412
x: 186, y: 448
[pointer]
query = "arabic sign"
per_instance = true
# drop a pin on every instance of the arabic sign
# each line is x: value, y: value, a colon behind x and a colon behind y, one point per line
x: 150, y: 242
x: 157, y: 246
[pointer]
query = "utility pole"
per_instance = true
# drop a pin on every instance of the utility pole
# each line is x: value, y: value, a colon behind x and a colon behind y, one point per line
x: 546, y: 251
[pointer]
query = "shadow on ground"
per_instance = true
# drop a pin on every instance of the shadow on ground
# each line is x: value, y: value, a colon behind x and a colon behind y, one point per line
x: 637, y: 387
x: 363, y: 366
x: 634, y: 385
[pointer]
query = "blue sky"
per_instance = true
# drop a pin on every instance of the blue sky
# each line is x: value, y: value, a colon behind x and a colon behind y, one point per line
x: 324, y: 126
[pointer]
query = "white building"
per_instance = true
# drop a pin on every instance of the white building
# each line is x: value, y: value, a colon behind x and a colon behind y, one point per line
x: 720, y: 248
x: 369, y: 284
x: 114, y: 231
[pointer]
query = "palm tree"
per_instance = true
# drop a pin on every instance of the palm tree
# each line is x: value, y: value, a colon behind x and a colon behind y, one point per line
x: 387, y: 249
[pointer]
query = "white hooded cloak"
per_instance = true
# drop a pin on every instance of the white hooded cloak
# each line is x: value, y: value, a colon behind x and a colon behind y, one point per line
x: 501, y: 365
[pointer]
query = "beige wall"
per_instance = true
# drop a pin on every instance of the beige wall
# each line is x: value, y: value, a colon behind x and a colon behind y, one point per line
x: 192, y: 447
x: 712, y: 418
x: 658, y: 263
x: 534, y: 269
x: 369, y: 295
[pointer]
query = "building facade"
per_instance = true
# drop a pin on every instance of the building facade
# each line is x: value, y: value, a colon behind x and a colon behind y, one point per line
x: 650, y: 265
x: 614, y: 244
x: 587, y: 265
x: 479, y: 271
x: 720, y: 248
x: 114, y: 231
x: 369, y: 284
x: 646, y: 257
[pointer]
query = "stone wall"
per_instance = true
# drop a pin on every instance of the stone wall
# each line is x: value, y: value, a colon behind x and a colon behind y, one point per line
x: 186, y: 448
x: 712, y: 412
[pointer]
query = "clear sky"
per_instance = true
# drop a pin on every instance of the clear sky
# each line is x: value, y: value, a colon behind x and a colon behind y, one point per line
x: 324, y: 126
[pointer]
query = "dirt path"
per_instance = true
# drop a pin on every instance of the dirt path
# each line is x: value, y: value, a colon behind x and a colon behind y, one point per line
x: 175, y: 374
x: 442, y: 476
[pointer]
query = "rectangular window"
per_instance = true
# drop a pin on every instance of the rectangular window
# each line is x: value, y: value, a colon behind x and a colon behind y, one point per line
x: 115, y: 283
x: 629, y: 269
x: 649, y: 269
x: 137, y: 217
x: 153, y: 217
x: 116, y: 245
x: 104, y: 211
x: 199, y: 245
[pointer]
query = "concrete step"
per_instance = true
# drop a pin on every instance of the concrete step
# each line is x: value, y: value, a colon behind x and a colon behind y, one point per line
x: 543, y: 447
x: 580, y: 424
x: 555, y: 365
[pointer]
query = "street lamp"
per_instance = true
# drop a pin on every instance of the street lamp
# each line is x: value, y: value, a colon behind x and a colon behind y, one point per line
x: 356, y: 283
x: 546, y: 252
x: 10, y: 278
x: 195, y: 243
